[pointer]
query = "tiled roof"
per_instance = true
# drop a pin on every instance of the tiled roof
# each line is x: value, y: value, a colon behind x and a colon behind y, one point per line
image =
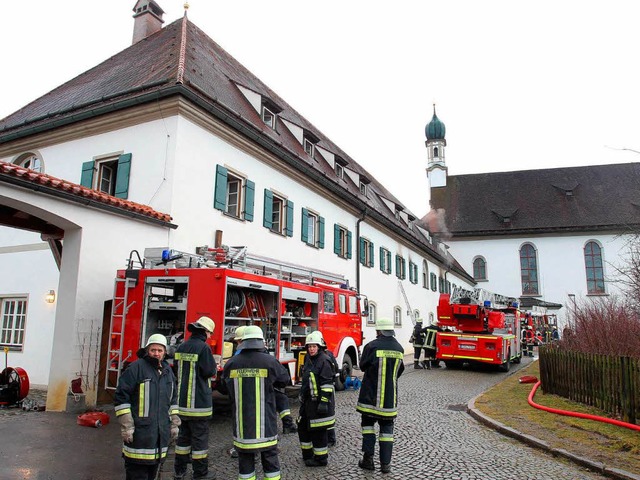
x: 41, y: 179
x: 571, y: 199
x: 180, y: 59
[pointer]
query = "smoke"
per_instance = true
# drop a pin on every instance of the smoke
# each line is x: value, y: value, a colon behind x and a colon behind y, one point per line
x: 435, y: 223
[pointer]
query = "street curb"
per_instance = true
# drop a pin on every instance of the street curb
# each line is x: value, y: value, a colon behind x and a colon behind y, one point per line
x: 597, y: 467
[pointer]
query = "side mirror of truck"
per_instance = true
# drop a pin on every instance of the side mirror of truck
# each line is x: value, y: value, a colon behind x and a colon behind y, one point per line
x: 365, y: 308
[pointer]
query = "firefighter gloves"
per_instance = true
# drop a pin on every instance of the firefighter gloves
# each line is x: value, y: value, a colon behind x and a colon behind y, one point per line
x: 175, y: 427
x: 126, y: 427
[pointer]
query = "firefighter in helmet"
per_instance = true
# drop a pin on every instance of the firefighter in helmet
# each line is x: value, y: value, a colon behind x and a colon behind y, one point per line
x: 317, y: 408
x: 382, y: 364
x: 430, y: 346
x: 196, y: 366
x: 250, y: 377
x: 331, y: 431
x: 146, y: 408
x: 418, y: 336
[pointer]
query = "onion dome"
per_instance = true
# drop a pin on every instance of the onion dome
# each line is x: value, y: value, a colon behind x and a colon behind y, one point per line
x: 435, y: 129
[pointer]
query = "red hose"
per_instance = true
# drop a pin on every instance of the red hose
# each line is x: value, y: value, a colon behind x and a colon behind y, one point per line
x: 577, y: 414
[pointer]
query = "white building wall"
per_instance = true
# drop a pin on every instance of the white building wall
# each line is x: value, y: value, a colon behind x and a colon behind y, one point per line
x: 561, y: 265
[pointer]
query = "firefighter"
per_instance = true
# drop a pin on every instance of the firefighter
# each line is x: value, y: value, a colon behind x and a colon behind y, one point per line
x: 145, y: 405
x: 196, y: 366
x: 418, y: 336
x: 382, y: 364
x: 317, y: 408
x: 250, y: 378
x: 430, y: 346
x: 331, y: 431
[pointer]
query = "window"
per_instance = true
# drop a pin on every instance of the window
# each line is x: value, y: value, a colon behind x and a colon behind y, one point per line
x: 268, y: 117
x: 329, y: 302
x: 31, y: 161
x: 528, y: 270
x: 434, y: 281
x: 397, y: 316
x: 594, y: 267
x: 308, y: 147
x: 447, y: 287
x: 342, y: 303
x: 234, y: 194
x: 413, y: 272
x: 385, y: 260
x: 416, y: 313
x: 312, y: 228
x: 401, y: 267
x: 373, y: 311
x: 479, y: 269
x: 425, y: 274
x: 441, y: 285
x: 14, y: 315
x: 278, y: 213
x: 366, y: 252
x: 339, y: 171
x: 353, y: 304
x: 108, y: 174
x: 363, y: 188
x: 341, y: 241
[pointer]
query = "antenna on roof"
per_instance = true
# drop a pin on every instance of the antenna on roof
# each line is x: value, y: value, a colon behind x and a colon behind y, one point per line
x: 186, y: 7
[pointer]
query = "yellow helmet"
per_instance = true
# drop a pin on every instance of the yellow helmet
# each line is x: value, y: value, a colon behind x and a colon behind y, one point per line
x: 315, y: 338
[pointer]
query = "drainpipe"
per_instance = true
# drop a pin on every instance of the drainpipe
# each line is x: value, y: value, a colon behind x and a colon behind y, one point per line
x: 362, y: 217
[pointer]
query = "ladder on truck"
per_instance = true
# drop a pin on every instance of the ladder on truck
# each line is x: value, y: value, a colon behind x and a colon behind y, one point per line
x: 479, y: 296
x: 119, y: 311
x: 410, y: 311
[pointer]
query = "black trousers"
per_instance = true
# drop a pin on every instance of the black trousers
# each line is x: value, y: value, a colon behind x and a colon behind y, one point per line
x: 140, y: 471
x: 313, y: 441
x: 416, y: 353
x: 385, y: 439
x: 270, y: 463
x: 193, y: 446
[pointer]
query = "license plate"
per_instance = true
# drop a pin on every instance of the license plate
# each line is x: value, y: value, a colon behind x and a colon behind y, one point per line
x: 466, y: 347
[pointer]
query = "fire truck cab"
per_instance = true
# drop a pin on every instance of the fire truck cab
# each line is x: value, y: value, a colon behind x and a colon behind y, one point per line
x: 475, y: 330
x: 174, y: 289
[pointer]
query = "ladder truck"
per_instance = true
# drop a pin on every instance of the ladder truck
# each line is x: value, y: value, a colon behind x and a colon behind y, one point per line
x: 479, y: 327
x: 168, y: 290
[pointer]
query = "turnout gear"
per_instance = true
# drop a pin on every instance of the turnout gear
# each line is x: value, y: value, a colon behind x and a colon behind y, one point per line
x: 367, y: 462
x: 317, y: 409
x: 250, y: 378
x: 196, y: 366
x: 381, y: 362
x: 144, y: 400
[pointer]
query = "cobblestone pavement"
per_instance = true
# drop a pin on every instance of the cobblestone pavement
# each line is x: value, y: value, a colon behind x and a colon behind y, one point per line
x: 435, y: 439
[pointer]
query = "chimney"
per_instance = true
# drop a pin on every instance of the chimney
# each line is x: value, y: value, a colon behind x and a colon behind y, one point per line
x: 148, y: 19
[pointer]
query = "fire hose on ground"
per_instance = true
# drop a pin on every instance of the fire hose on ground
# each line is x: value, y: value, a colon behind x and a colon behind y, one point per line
x: 573, y: 414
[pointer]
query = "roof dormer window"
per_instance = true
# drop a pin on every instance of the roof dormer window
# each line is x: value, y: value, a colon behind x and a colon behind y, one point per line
x: 309, y: 147
x: 268, y: 117
x: 339, y: 171
x: 363, y: 188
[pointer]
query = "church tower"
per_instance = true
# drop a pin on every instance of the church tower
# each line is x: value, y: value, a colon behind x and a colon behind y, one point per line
x: 436, y: 166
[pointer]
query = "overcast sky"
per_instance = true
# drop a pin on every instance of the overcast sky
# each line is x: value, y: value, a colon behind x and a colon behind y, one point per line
x: 519, y: 85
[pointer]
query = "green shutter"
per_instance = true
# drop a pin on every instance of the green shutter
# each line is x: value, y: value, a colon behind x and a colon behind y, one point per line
x: 362, y: 255
x: 371, y: 254
x: 381, y: 259
x: 349, y: 250
x: 289, y: 222
x: 336, y: 239
x: 220, y: 193
x: 320, y: 232
x: 397, y: 266
x: 122, y: 176
x: 249, y: 198
x: 404, y: 268
x: 267, y: 219
x: 305, y: 225
x: 86, y: 179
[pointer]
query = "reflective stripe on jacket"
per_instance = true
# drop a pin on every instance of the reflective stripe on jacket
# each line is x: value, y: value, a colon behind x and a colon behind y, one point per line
x: 318, y: 388
x: 382, y: 364
x: 196, y: 366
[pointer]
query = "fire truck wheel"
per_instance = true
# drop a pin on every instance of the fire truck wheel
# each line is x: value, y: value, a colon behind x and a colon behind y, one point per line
x: 347, y: 369
x: 506, y: 366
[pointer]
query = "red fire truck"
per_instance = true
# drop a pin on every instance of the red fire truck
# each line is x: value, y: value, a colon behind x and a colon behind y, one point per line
x: 169, y: 290
x: 479, y: 327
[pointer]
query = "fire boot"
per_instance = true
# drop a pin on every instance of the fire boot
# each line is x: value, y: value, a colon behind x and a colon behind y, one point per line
x: 426, y: 364
x: 417, y: 366
x: 367, y: 462
x: 315, y: 462
x: 385, y: 468
x: 288, y: 425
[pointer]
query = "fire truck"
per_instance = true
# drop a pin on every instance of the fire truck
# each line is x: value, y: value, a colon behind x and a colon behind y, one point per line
x: 168, y: 290
x: 478, y: 327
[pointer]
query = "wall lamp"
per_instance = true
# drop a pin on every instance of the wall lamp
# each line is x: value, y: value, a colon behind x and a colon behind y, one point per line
x: 50, y: 297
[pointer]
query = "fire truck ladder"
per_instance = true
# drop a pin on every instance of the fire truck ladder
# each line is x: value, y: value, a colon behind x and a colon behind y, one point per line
x: 479, y: 296
x: 410, y: 311
x: 119, y: 311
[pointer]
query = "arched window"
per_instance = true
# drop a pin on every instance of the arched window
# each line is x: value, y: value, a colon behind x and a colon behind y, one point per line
x: 435, y: 151
x: 397, y: 316
x: 373, y: 312
x: 416, y: 313
x: 425, y: 274
x: 32, y: 161
x: 529, y: 269
x: 479, y: 268
x: 594, y: 268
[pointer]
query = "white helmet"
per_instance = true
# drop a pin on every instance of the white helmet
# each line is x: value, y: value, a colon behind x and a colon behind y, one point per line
x: 239, y: 332
x: 206, y: 323
x: 315, y: 338
x: 158, y: 339
x: 385, y: 326
x: 252, y: 332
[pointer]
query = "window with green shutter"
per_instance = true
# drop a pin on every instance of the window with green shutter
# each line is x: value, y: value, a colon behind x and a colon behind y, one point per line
x: 385, y: 260
x: 401, y: 267
x: 234, y: 194
x: 312, y: 225
x: 109, y: 175
x: 278, y: 213
x: 366, y: 252
x: 434, y: 281
x: 342, y: 241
